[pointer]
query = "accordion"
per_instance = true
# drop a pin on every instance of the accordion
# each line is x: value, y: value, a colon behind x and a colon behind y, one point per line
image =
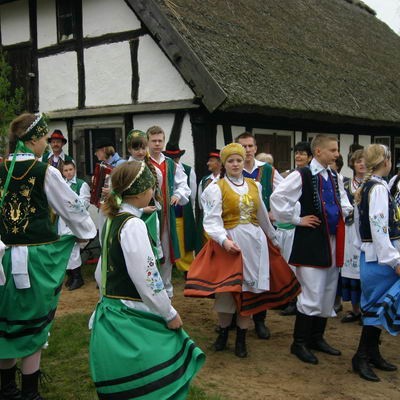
x: 101, y: 178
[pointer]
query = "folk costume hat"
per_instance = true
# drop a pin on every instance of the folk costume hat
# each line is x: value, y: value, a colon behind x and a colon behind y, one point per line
x: 215, y: 153
x: 136, y: 138
x: 57, y: 134
x: 173, y: 151
x: 230, y: 149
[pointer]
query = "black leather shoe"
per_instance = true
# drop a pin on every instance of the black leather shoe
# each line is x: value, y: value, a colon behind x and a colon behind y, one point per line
x: 360, y: 365
x: 382, y: 364
x: 303, y: 353
x: 10, y: 392
x: 222, y: 339
x: 291, y: 309
x: 322, y: 346
x: 240, y: 345
x: 351, y: 317
x: 262, y: 330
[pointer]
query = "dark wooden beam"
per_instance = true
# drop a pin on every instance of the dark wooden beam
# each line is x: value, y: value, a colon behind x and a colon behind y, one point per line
x: 80, y: 55
x: 227, y: 130
x: 128, y: 123
x: 134, y: 47
x: 179, y: 53
x: 176, y: 130
x: 33, y: 92
x: 167, y: 106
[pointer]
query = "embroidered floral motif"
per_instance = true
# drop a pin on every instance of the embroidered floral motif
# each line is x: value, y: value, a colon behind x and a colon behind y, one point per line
x: 76, y: 207
x: 353, y: 262
x: 378, y: 222
x: 246, y: 206
x: 153, y: 278
x: 208, y: 205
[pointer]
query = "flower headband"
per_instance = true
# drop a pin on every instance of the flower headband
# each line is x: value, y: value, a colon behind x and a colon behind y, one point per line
x: 37, y: 129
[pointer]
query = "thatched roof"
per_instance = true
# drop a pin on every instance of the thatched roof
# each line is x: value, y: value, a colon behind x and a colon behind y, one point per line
x: 331, y: 60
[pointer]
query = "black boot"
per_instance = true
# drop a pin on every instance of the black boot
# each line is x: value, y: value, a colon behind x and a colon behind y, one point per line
x: 77, y: 280
x: 317, y: 341
x: 301, y: 334
x: 360, y: 359
x: 240, y: 346
x: 222, y: 339
x: 259, y: 325
x: 290, y: 309
x: 69, y: 278
x: 375, y: 357
x: 9, y: 390
x: 30, y: 384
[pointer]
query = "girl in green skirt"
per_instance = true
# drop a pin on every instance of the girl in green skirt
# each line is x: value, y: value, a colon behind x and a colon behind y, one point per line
x: 33, y: 266
x: 137, y: 348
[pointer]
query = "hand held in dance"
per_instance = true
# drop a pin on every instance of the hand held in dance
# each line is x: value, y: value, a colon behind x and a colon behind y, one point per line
x: 175, y: 323
x: 310, y: 221
x: 149, y: 209
x: 397, y: 269
x: 174, y: 200
x: 230, y: 246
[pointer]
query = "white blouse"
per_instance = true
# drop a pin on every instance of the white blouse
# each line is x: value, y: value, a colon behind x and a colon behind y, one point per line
x: 381, y: 249
x: 142, y: 268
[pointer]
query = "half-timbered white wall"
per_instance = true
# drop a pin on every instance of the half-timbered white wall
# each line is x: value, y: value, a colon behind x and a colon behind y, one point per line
x: 186, y: 142
x: 15, y: 22
x: 108, y: 74
x: 159, y: 79
x: 364, y: 140
x: 46, y: 23
x: 345, y: 142
x: 58, y: 82
x: 145, y: 121
x: 104, y: 16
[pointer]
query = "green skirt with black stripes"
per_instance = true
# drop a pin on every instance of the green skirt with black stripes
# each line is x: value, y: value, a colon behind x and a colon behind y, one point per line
x: 133, y: 355
x: 26, y: 315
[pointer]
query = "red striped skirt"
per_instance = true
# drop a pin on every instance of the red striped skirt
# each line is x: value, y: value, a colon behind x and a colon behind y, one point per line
x: 214, y: 270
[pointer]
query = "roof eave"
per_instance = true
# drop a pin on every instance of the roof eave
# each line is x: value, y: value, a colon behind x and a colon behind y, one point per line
x: 179, y: 53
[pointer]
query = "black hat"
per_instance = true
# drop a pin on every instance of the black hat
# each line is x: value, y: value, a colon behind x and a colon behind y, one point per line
x: 214, y: 153
x: 57, y: 134
x: 173, y: 151
x: 103, y: 142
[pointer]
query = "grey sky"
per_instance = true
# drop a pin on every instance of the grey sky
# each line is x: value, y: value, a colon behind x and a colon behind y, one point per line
x: 388, y: 11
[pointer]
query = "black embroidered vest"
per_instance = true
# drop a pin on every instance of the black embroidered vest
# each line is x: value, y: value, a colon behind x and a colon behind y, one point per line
x: 363, y: 207
x: 25, y: 217
x: 118, y: 283
x: 311, y: 246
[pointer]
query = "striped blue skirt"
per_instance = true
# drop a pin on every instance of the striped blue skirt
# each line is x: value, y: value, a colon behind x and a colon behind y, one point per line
x: 380, y: 295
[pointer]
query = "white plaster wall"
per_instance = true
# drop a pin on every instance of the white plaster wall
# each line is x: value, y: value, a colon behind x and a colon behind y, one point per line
x: 364, y: 140
x: 58, y: 82
x: 220, y: 137
x: 297, y: 137
x: 158, y: 78
x: 46, y: 23
x: 115, y: 16
x: 108, y: 74
x: 186, y: 142
x: 145, y: 121
x: 14, y: 22
x: 345, y: 142
x: 237, y: 130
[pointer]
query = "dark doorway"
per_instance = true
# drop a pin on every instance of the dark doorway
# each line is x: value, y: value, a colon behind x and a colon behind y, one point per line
x: 279, y: 146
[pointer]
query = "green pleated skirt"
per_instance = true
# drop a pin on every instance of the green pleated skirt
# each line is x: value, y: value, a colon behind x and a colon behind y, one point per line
x: 133, y: 355
x: 26, y: 315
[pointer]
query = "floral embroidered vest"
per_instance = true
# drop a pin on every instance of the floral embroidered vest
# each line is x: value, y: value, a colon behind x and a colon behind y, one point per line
x: 393, y: 230
x: 25, y: 217
x: 239, y: 209
x: 118, y: 282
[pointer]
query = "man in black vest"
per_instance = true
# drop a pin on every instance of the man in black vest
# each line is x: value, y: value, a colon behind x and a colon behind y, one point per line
x: 318, y: 244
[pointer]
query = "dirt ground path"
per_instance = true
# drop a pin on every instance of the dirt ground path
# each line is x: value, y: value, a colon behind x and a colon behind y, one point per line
x: 270, y: 371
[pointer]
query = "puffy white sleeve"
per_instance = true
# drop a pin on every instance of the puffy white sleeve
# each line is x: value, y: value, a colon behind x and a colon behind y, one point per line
x: 181, y: 188
x: 284, y: 198
x: 277, y: 179
x: 67, y: 205
x: 263, y: 219
x: 142, y: 268
x: 213, y: 224
x: 347, y: 208
x: 193, y: 188
x: 84, y: 194
x: 379, y: 223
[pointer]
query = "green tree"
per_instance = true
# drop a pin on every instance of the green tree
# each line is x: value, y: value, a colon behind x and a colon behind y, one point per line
x: 11, y: 101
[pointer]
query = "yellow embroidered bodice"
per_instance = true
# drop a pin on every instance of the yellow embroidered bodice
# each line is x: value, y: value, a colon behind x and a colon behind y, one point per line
x: 239, y: 209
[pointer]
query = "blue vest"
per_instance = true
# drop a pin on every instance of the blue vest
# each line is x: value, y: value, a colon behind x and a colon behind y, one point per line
x: 363, y: 207
x: 329, y: 204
